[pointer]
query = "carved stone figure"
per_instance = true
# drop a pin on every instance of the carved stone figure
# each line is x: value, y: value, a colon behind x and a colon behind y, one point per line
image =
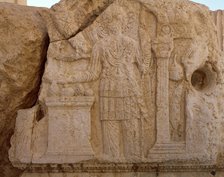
x: 117, y: 61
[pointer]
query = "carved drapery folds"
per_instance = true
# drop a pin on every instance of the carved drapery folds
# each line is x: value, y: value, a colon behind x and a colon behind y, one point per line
x: 121, y: 90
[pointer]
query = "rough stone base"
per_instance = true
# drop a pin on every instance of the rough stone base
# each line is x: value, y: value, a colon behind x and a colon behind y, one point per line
x: 177, y: 174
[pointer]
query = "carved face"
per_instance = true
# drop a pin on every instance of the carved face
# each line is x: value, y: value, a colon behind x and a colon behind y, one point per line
x: 112, y: 22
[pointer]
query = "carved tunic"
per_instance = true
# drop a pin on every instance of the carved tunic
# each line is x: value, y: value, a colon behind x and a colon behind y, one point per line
x: 120, y: 81
x: 117, y: 60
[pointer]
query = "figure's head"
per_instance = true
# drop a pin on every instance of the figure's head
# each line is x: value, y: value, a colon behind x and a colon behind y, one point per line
x: 112, y: 21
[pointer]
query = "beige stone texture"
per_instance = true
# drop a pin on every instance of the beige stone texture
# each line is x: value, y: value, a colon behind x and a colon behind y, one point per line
x: 124, y: 88
x: 218, y: 17
x: 20, y: 2
x: 154, y: 76
x: 23, y: 48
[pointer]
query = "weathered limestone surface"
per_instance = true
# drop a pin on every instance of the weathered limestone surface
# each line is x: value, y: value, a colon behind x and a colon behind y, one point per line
x: 152, y: 71
x: 218, y: 17
x: 20, y: 2
x: 129, y: 88
x: 23, y: 47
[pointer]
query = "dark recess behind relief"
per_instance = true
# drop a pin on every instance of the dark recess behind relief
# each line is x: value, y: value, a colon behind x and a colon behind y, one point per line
x: 41, y: 111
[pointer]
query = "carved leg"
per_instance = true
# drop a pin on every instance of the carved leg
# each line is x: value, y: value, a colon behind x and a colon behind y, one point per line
x: 132, y: 139
x: 111, y: 139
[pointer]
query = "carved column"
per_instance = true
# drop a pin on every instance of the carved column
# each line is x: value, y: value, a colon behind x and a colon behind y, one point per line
x: 163, y: 146
x: 162, y: 97
x: 163, y: 48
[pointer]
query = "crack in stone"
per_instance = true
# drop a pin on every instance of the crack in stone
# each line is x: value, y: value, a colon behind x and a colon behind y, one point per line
x: 87, y: 22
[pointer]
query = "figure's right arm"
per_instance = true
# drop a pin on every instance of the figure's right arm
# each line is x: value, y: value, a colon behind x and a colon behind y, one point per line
x: 93, y: 71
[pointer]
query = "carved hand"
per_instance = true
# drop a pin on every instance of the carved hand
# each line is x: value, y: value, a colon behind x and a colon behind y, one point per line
x: 65, y: 80
x: 145, y: 69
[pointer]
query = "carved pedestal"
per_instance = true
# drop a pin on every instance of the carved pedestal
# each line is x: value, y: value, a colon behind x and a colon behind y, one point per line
x: 69, y: 128
x: 64, y: 133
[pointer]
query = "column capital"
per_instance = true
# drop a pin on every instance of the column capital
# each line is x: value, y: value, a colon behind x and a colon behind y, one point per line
x: 163, y: 46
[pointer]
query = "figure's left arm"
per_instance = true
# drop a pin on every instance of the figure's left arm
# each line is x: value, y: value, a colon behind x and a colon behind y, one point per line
x: 143, y: 59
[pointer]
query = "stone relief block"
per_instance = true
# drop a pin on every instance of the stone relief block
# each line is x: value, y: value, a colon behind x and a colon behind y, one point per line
x: 135, y: 89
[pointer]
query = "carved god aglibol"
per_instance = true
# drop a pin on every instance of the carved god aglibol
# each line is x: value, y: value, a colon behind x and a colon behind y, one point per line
x: 116, y: 60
